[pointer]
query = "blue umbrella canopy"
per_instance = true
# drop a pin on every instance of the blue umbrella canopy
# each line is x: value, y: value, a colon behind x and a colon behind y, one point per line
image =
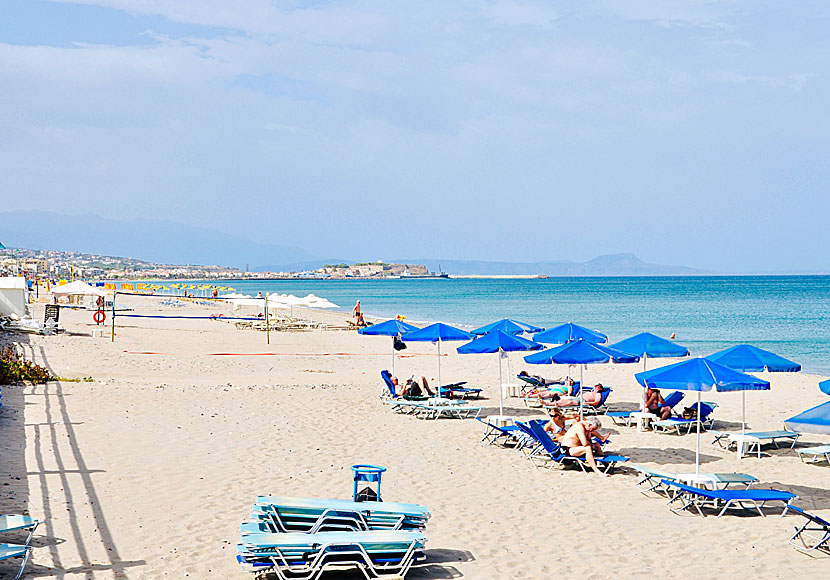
x: 388, y: 328
x: 825, y: 387
x: 498, y: 341
x: 650, y: 345
x: 815, y: 420
x: 569, y: 332
x: 437, y: 333
x: 392, y: 327
x: 745, y: 357
x: 580, y: 352
x: 508, y: 325
x: 699, y: 374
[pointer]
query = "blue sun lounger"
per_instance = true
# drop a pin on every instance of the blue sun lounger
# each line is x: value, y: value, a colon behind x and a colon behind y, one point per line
x: 295, y: 556
x: 698, y: 498
x: 549, y: 450
x: 653, y: 479
x: 301, y: 514
x: 814, y: 534
x: 815, y: 454
x: 496, y: 434
x: 675, y: 424
x: 625, y: 418
x: 11, y: 522
x: 8, y: 551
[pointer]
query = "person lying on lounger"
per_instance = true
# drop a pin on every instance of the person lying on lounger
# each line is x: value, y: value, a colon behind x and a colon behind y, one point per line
x: 578, y: 441
x: 553, y: 390
x: 541, y: 379
x: 592, y: 398
x: 656, y: 405
x: 414, y: 387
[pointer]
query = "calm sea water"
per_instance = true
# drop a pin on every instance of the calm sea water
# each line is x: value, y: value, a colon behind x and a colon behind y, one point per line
x: 789, y: 315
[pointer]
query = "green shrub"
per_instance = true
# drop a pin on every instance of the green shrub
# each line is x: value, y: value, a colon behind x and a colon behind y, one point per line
x: 14, y: 368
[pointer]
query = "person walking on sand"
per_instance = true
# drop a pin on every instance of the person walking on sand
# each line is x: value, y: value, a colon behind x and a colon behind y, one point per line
x: 356, y: 311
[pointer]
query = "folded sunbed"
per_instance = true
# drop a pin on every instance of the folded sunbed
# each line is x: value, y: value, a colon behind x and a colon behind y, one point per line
x: 698, y: 497
x: 307, y: 556
x: 813, y: 535
x: 8, y: 551
x: 300, y: 514
x: 815, y: 453
x: 653, y: 478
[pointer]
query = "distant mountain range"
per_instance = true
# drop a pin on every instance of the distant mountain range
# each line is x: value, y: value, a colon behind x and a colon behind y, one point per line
x: 168, y: 242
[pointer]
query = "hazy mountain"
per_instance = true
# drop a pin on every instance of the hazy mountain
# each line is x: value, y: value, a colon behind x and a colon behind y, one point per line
x: 152, y: 240
x: 607, y: 265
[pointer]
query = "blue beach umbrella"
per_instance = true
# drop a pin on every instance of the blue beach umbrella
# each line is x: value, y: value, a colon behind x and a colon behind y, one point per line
x: 748, y: 358
x: 569, y: 332
x: 650, y: 345
x: 509, y: 326
x: 824, y: 386
x: 437, y: 333
x: 500, y: 342
x: 815, y: 420
x: 580, y: 352
x: 393, y: 328
x: 699, y: 374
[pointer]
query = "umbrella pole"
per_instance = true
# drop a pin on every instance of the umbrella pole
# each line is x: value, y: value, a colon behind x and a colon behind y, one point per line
x: 393, y: 356
x: 501, y: 388
x: 580, y: 392
x: 267, y: 322
x: 438, y: 391
x: 697, y: 448
x: 743, y: 413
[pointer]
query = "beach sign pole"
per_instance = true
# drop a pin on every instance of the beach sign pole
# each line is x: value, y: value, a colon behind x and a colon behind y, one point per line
x: 267, y: 324
x: 114, y: 294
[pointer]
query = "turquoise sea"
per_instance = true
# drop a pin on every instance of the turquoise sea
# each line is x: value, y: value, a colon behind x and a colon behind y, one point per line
x: 789, y: 315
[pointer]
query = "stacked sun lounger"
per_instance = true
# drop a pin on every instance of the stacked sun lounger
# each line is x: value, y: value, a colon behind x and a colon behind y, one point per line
x: 12, y: 523
x: 302, y: 537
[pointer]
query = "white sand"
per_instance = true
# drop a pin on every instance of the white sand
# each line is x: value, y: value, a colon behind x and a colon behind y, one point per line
x: 147, y: 472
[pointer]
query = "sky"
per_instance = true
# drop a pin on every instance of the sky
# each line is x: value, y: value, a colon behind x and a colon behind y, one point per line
x: 692, y: 133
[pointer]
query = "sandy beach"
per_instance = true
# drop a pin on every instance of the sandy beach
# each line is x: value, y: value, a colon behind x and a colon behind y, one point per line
x: 147, y: 471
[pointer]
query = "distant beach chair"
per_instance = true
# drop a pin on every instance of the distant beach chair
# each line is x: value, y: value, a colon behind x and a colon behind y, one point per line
x: 698, y: 498
x: 653, y: 478
x: 376, y: 553
x: 675, y: 424
x: 550, y: 452
x: 813, y: 535
x: 625, y: 418
x: 8, y: 551
x: 814, y: 454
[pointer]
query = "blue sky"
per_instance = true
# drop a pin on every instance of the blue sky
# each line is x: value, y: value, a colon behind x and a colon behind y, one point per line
x: 691, y: 133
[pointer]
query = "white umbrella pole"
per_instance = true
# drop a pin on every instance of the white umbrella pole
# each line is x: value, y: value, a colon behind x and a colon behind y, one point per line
x: 580, y: 391
x: 743, y: 413
x: 438, y: 391
x: 393, y: 356
x: 501, y: 388
x: 697, y: 449
x: 643, y: 398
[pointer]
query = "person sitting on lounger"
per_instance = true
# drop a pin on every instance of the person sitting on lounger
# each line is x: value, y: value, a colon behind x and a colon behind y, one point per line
x: 655, y: 404
x: 414, y: 387
x: 556, y: 426
x: 578, y: 441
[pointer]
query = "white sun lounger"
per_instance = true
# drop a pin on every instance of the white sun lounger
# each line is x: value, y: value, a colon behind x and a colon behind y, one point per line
x: 814, y: 454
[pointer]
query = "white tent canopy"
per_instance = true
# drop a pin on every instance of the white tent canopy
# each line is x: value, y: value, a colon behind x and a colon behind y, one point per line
x: 77, y: 288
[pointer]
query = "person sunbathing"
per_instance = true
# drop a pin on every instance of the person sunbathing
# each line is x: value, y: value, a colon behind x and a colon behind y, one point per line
x: 655, y: 404
x: 541, y: 380
x: 553, y: 390
x: 414, y: 387
x: 591, y: 398
x: 578, y: 441
x: 556, y: 426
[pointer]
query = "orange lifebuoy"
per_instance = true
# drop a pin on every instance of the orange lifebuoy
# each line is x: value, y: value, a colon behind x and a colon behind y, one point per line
x: 99, y: 317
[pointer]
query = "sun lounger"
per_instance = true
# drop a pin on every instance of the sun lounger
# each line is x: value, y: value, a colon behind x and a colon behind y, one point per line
x: 813, y: 535
x: 497, y: 434
x: 549, y: 451
x: 815, y: 454
x: 746, y: 443
x: 625, y: 418
x: 653, y: 478
x: 300, y: 514
x: 698, y: 497
x: 306, y: 556
x: 8, y: 551
x: 457, y: 391
x: 675, y: 424
x: 11, y: 522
